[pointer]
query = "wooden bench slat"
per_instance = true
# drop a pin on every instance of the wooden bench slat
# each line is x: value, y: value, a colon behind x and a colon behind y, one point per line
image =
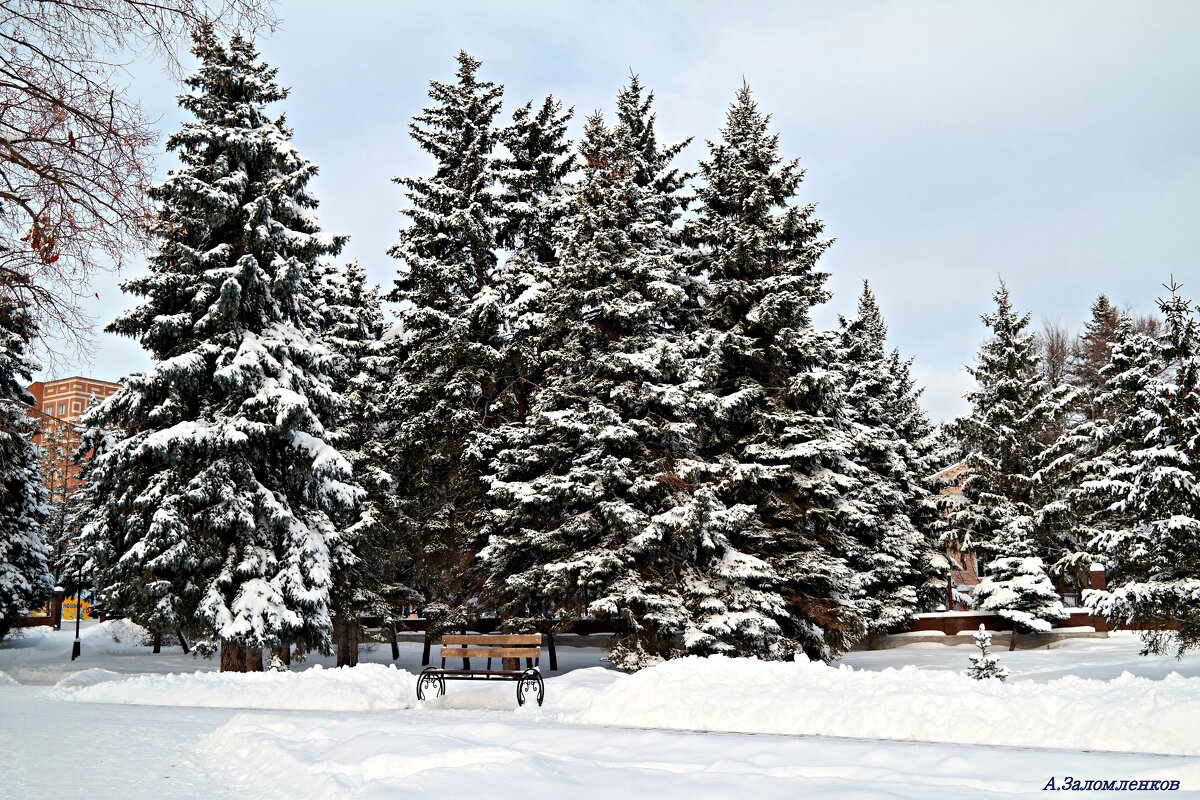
x: 491, y: 652
x: 490, y: 639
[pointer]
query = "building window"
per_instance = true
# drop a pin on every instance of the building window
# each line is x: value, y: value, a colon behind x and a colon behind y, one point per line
x: 49, y: 408
x: 62, y: 409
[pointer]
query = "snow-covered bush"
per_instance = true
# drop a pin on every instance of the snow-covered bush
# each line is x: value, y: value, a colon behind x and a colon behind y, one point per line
x: 985, y: 665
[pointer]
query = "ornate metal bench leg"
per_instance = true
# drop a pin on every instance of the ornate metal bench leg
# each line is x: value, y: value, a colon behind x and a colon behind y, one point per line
x: 530, y: 682
x: 430, y: 679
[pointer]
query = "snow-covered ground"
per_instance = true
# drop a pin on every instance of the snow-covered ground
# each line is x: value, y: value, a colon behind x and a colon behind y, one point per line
x: 122, y: 722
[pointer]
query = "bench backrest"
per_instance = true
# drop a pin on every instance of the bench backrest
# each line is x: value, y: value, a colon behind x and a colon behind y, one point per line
x: 502, y: 645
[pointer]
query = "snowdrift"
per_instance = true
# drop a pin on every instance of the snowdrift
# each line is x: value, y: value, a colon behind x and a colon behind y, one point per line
x: 1128, y: 714
x: 367, y: 687
x: 116, y: 636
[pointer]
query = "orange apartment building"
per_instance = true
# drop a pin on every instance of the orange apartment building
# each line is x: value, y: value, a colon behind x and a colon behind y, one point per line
x: 58, y: 405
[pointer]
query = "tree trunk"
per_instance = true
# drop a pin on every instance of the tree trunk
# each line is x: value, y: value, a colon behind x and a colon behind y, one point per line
x: 341, y: 639
x: 233, y: 658
x: 158, y: 642
x: 284, y: 654
x: 395, y: 641
x: 254, y: 661
x: 355, y: 633
x: 1012, y: 642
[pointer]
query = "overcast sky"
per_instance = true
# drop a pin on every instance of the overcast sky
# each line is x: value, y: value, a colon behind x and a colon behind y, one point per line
x: 947, y: 145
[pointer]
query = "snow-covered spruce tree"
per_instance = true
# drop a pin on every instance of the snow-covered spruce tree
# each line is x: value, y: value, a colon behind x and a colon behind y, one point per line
x: 580, y: 489
x: 897, y: 568
x: 215, y: 502
x: 25, y: 581
x: 1122, y: 420
x: 366, y: 574
x: 1067, y: 462
x: 446, y: 354
x: 1089, y: 353
x: 925, y: 441
x: 1005, y: 438
x: 772, y: 427
x: 649, y: 161
x: 985, y: 665
x: 1146, y: 483
x: 1089, y: 409
x: 1015, y: 585
x: 533, y: 201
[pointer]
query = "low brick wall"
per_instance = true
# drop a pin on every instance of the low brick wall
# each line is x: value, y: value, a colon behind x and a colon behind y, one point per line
x: 51, y: 620
x: 952, y: 622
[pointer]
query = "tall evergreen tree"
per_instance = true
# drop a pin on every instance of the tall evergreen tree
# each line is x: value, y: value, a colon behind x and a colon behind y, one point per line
x: 1005, y: 436
x: 1062, y: 464
x: 650, y: 162
x: 367, y: 567
x: 533, y: 201
x: 446, y: 355
x: 1089, y: 354
x: 772, y: 426
x: 583, y: 490
x: 1145, y: 484
x: 215, y: 502
x: 1094, y: 446
x: 25, y: 581
x: 896, y: 566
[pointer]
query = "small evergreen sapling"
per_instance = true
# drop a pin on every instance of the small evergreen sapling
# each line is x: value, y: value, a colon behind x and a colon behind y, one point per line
x: 985, y: 665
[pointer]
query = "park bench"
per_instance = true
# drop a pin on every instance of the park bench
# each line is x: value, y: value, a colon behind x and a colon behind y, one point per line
x: 508, y: 648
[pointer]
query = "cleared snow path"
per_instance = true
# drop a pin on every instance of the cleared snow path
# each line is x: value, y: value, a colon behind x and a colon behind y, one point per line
x: 57, y: 749
x: 70, y: 751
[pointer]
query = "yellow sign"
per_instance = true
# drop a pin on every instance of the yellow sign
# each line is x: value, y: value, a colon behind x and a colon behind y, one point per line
x: 68, y: 611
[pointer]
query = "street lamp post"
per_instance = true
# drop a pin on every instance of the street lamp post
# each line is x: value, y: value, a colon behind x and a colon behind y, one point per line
x: 78, y: 605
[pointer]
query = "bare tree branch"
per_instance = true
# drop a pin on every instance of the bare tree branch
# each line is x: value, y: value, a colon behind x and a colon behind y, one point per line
x: 76, y: 154
x: 1055, y: 343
